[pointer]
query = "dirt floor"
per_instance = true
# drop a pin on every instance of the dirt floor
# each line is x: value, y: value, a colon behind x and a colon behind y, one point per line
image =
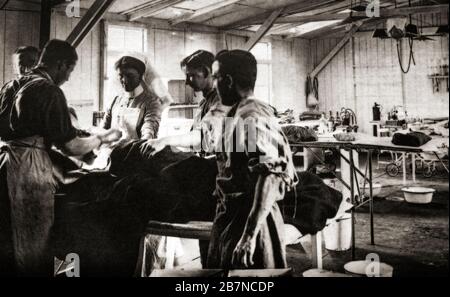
x: 411, y: 238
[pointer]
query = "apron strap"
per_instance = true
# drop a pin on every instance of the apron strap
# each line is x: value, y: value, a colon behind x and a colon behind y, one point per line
x: 35, y: 142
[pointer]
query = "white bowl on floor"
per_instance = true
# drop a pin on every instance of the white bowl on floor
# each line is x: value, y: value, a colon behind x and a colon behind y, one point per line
x: 418, y: 195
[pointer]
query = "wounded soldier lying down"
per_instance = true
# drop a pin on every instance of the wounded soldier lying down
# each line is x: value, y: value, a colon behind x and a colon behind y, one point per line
x: 102, y: 216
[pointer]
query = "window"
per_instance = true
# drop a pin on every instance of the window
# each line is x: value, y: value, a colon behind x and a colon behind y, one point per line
x: 263, y: 88
x: 120, y: 40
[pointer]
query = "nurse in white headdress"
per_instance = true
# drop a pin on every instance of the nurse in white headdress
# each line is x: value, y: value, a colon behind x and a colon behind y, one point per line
x: 140, y: 97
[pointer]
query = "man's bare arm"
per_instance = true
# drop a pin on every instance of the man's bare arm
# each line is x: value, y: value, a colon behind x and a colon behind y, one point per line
x: 267, y: 192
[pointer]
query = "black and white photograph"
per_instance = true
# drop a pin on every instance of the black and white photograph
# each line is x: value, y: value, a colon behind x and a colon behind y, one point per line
x: 224, y: 145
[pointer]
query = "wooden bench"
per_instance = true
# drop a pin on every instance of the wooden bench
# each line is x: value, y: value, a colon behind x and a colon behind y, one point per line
x: 191, y: 230
x: 202, y: 231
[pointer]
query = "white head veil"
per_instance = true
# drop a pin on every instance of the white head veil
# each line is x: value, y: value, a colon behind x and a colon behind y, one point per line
x: 151, y: 82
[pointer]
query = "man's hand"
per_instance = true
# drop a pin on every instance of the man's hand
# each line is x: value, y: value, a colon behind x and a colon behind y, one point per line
x: 110, y: 136
x: 153, y: 146
x: 243, y: 253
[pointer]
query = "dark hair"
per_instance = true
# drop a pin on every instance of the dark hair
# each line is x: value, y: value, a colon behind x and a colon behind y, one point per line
x: 130, y: 62
x: 201, y: 59
x: 28, y: 56
x: 240, y: 65
x: 56, y: 51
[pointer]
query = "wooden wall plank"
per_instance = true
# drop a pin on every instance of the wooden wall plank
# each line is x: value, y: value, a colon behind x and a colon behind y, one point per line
x: 35, y: 29
x: 95, y: 67
x: 291, y: 64
x: 169, y: 51
x: 151, y: 44
x: 16, y: 29
x: 329, y: 77
x: 341, y: 84
x: 11, y: 42
x: 75, y: 82
x: 195, y: 41
x: 349, y: 86
x: 378, y: 77
x: 82, y: 90
x: 2, y: 46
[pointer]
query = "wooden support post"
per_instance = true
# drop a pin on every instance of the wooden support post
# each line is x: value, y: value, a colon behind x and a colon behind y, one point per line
x: 335, y: 50
x: 263, y: 30
x: 89, y: 20
x: 45, y: 20
x: 44, y: 29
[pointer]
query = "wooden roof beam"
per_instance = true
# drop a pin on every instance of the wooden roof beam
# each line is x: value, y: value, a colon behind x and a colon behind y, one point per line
x: 140, y: 7
x: 54, y: 3
x: 262, y: 30
x: 153, y: 9
x: 3, y: 3
x: 281, y: 28
x: 88, y: 21
x: 386, y: 12
x: 301, y: 6
x: 335, y: 50
x: 203, y: 11
x: 314, y: 12
x: 317, y: 11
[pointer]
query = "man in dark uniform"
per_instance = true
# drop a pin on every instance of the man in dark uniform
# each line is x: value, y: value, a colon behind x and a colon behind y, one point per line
x: 36, y: 117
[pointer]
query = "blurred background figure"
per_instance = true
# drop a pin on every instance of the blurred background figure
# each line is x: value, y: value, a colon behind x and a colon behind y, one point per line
x: 25, y: 58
